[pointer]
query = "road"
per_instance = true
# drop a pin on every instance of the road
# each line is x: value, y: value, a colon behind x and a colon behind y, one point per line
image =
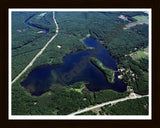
x: 135, y: 96
x: 40, y: 52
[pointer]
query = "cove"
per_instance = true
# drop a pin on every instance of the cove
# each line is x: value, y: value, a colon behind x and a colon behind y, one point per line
x: 41, y: 78
x: 35, y: 26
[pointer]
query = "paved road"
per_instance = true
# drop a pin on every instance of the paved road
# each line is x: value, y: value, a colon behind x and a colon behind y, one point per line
x: 106, y: 103
x: 41, y: 51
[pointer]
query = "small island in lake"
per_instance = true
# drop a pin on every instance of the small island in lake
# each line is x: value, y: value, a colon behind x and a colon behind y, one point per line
x: 109, y: 73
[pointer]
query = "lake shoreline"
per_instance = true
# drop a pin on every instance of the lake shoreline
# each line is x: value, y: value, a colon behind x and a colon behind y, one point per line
x: 89, y: 73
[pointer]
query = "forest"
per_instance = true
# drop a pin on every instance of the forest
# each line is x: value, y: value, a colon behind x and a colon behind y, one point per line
x: 128, y: 107
x: 59, y: 100
x: 23, y: 34
x: 73, y: 27
x: 138, y: 75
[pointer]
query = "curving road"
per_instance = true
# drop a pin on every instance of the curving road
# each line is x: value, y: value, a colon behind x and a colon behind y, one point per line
x: 41, y: 51
x: 106, y: 103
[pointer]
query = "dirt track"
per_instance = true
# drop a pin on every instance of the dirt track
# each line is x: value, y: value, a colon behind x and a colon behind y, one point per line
x: 41, y: 51
x: 135, y: 96
x: 134, y: 24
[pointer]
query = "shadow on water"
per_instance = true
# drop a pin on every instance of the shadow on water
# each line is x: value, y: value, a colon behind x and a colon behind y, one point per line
x: 42, y: 77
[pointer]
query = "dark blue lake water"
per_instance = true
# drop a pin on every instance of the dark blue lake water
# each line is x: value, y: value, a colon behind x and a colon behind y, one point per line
x: 75, y: 68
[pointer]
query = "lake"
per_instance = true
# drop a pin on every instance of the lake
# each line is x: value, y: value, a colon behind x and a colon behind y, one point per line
x: 41, y: 78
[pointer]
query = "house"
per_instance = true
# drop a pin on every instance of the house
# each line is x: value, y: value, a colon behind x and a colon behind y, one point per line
x: 122, y: 17
x: 59, y: 46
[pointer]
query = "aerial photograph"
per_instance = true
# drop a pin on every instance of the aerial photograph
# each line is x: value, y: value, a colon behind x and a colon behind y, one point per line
x: 79, y: 63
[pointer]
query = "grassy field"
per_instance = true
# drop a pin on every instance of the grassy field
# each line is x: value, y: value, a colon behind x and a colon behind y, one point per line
x: 78, y: 87
x: 139, y: 54
x: 140, y: 18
